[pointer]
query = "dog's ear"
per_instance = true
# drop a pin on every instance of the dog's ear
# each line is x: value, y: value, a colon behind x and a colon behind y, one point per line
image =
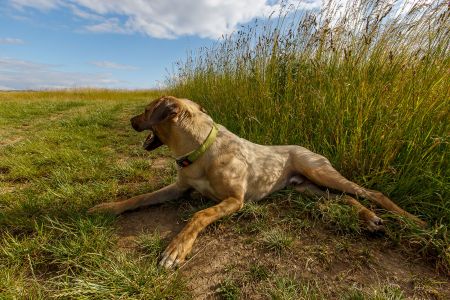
x: 164, y: 110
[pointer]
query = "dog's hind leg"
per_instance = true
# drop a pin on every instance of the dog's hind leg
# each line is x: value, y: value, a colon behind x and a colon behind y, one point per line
x: 167, y: 193
x: 319, y: 170
x: 372, y: 221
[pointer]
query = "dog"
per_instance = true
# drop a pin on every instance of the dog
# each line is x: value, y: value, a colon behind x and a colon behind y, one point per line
x: 231, y: 170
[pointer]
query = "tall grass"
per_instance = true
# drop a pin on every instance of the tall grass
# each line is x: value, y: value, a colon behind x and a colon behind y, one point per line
x: 366, y: 85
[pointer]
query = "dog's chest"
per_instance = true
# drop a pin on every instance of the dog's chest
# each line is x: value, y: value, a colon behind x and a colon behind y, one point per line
x: 202, y: 185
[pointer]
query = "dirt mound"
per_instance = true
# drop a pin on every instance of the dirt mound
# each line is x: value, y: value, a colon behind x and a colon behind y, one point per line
x: 318, y: 257
x: 161, y: 218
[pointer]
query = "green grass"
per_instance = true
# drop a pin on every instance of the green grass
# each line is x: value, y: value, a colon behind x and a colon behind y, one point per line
x: 376, y: 103
x: 285, y: 288
x: 388, y: 292
x: 61, y: 153
x: 60, y: 163
x: 228, y: 290
x: 258, y: 272
x: 277, y: 240
x: 369, y: 90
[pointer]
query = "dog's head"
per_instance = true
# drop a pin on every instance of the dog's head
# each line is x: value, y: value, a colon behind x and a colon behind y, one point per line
x: 162, y: 115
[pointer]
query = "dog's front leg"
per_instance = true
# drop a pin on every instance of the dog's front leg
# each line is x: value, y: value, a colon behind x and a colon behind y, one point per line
x: 181, y: 245
x: 167, y: 193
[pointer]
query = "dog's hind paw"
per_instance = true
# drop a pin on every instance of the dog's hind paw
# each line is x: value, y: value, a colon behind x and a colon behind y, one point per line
x: 375, y: 224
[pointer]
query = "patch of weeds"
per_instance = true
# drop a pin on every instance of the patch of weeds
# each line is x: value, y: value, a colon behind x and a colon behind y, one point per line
x: 354, y: 294
x: 17, y: 283
x: 386, y: 292
x: 285, y: 288
x: 366, y: 257
x: 56, y: 246
x: 322, y: 253
x: 277, y: 240
x: 151, y: 245
x: 23, y: 251
x: 426, y: 287
x: 258, y: 272
x: 74, y: 241
x: 340, y: 218
x: 5, y: 169
x: 119, y: 275
x: 255, y: 215
x: 432, y: 242
x: 295, y: 222
x: 343, y: 245
x: 254, y: 211
x: 131, y: 170
x: 251, y: 227
x: 228, y: 290
x: 303, y: 205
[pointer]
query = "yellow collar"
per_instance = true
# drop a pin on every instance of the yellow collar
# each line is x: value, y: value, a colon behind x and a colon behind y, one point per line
x: 189, y: 158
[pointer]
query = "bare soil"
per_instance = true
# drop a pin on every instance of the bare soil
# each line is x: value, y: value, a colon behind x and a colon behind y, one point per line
x: 333, y: 262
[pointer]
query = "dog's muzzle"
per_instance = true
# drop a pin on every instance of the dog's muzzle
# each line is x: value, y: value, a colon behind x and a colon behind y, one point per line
x: 135, y: 124
x: 152, y: 141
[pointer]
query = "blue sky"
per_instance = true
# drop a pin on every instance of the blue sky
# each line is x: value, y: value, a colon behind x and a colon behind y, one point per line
x: 111, y: 43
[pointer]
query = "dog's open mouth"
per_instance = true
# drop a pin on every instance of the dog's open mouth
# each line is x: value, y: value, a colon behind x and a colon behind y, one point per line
x: 152, y: 142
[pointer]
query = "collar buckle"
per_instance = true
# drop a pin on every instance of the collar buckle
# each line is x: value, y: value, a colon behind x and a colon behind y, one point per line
x: 183, y: 162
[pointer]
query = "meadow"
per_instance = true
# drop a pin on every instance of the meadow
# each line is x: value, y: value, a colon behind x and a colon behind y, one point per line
x: 372, y: 95
x: 59, y: 155
x: 64, y: 151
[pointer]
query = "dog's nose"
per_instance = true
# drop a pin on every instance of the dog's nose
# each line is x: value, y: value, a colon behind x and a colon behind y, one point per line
x: 134, y: 124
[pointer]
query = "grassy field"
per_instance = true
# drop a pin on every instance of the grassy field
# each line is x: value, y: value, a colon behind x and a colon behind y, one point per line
x: 373, y: 96
x: 62, y: 152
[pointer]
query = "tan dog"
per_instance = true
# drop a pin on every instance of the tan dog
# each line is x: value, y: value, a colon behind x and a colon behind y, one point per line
x: 229, y: 169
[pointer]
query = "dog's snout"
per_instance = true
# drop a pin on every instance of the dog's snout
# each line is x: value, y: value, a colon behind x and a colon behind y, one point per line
x: 135, y: 124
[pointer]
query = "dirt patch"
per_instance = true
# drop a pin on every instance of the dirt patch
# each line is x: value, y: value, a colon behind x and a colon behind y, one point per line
x: 336, y: 263
x: 161, y: 163
x: 211, y: 256
x: 316, y: 256
x: 10, y: 140
x: 5, y: 170
x: 7, y: 188
x: 161, y: 218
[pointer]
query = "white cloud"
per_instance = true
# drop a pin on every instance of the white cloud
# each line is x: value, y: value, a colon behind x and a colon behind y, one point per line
x: 112, y: 65
x: 166, y: 18
x: 109, y: 25
x: 11, y: 41
x: 39, y: 4
x: 23, y: 74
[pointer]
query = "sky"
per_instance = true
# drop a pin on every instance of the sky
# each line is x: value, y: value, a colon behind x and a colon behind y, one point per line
x: 132, y: 44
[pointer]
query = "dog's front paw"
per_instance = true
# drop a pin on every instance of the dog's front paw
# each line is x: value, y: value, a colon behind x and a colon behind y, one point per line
x: 177, y: 250
x: 105, y: 207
